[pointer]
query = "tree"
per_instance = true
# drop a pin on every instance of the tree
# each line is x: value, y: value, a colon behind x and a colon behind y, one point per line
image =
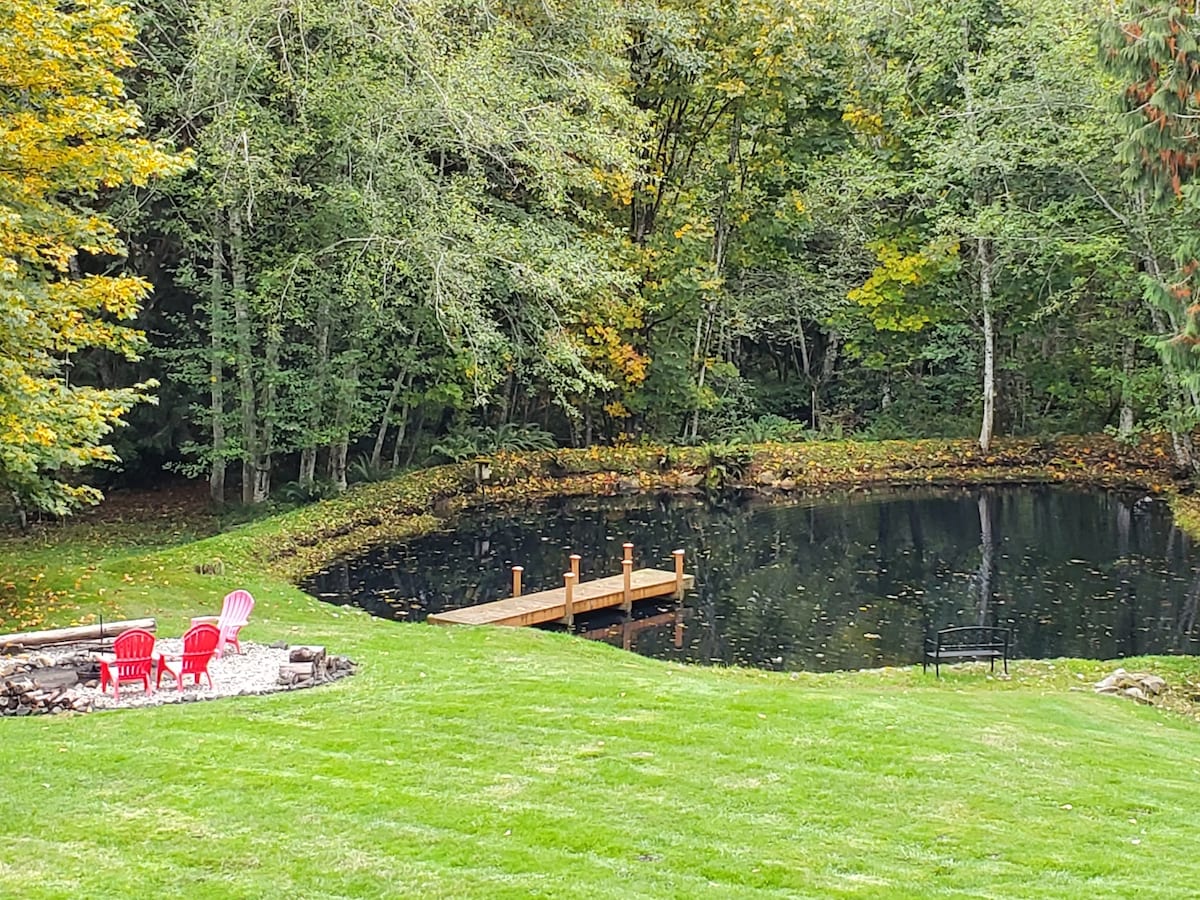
x: 67, y: 134
x: 981, y: 158
x: 1154, y: 52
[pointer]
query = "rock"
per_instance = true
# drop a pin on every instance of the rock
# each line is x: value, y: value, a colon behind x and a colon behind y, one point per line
x: 1111, y: 683
x: 1153, y: 684
x: 767, y: 478
x: 690, y: 479
x: 628, y: 484
x: 279, y: 645
x: 1141, y: 686
x: 786, y: 484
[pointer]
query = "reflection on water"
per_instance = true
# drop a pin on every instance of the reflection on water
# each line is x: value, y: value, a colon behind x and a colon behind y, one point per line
x: 838, y: 582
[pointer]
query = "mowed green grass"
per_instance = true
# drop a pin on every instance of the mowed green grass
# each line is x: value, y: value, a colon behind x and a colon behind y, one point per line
x: 517, y: 763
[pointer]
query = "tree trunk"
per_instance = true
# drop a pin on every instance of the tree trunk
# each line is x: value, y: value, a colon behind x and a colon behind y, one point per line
x: 339, y: 449
x: 722, y: 229
x: 401, y: 382
x: 262, y: 460
x: 989, y: 345
x: 216, y: 324
x: 308, y: 466
x: 245, y: 360
x: 984, y: 251
x: 401, y: 430
x: 1128, y: 358
x: 381, y: 434
x: 308, y: 455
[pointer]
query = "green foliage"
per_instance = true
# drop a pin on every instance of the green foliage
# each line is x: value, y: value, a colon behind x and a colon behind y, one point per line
x: 659, y: 221
x: 763, y: 429
x: 363, y: 471
x: 299, y: 493
x: 67, y: 135
x: 725, y: 465
x: 888, y: 294
x: 483, y: 441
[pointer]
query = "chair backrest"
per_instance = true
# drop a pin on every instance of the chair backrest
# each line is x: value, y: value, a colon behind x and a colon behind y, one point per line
x: 133, y: 649
x: 235, y: 610
x: 975, y: 636
x: 199, y: 645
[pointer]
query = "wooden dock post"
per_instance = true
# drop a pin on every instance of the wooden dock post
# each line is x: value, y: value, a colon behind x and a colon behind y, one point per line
x: 575, y: 558
x: 517, y: 570
x: 569, y: 598
x: 628, y: 547
x: 627, y: 586
x: 678, y: 554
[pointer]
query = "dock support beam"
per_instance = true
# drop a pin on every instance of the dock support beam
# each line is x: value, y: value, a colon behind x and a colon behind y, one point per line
x: 627, y: 587
x: 569, y: 599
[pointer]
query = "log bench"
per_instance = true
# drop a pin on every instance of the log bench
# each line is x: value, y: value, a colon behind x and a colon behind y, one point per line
x: 967, y: 642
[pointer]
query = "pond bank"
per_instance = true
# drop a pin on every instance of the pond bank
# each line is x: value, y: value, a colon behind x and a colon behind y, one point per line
x: 419, y: 503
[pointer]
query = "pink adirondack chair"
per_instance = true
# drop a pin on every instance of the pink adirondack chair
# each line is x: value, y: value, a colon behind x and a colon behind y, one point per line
x: 235, y: 613
x: 130, y: 661
x: 199, y: 647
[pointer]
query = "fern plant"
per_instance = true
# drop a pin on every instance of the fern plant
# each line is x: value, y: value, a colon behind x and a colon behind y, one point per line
x: 511, y: 437
x: 764, y: 429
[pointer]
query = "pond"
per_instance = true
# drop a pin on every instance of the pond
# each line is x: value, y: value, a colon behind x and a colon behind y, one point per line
x: 847, y: 581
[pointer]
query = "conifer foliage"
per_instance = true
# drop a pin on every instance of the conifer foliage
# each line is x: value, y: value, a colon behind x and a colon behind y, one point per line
x: 67, y: 133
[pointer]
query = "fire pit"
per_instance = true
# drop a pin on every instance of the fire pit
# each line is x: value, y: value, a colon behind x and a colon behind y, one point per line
x: 36, y: 683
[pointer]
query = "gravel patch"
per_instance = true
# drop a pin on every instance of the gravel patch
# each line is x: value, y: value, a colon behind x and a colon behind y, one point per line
x: 254, y: 671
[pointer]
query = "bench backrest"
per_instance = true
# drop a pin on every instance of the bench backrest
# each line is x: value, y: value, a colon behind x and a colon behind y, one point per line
x: 985, y: 637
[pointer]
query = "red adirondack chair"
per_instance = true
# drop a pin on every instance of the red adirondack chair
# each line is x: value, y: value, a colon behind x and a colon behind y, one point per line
x: 235, y: 613
x: 199, y: 647
x: 130, y: 660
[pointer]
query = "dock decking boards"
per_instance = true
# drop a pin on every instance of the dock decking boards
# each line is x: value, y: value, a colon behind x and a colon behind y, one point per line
x: 548, y: 606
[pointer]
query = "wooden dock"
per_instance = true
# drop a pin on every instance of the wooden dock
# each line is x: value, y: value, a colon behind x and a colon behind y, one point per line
x: 564, y: 603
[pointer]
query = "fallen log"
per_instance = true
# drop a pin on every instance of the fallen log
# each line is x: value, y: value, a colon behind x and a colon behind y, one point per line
x: 308, y: 653
x: 27, y: 639
x: 289, y: 673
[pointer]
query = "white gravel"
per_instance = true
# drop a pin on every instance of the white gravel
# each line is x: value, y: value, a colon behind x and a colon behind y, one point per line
x: 254, y: 671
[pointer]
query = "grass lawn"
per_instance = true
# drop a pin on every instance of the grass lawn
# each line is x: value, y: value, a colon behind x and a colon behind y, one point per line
x: 517, y: 763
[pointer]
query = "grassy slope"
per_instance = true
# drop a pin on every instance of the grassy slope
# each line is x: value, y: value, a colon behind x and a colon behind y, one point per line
x: 499, y: 763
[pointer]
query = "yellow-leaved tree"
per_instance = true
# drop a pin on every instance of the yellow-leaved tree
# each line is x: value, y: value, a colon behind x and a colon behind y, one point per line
x: 67, y: 134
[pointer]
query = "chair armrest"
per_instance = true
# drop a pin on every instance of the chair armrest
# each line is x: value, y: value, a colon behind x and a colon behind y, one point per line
x: 200, y: 620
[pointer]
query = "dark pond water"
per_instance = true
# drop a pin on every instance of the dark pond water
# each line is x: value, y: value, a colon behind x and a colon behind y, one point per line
x: 839, y: 582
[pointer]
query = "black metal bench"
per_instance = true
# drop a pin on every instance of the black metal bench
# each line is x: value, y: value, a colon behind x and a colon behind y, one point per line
x: 967, y: 642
